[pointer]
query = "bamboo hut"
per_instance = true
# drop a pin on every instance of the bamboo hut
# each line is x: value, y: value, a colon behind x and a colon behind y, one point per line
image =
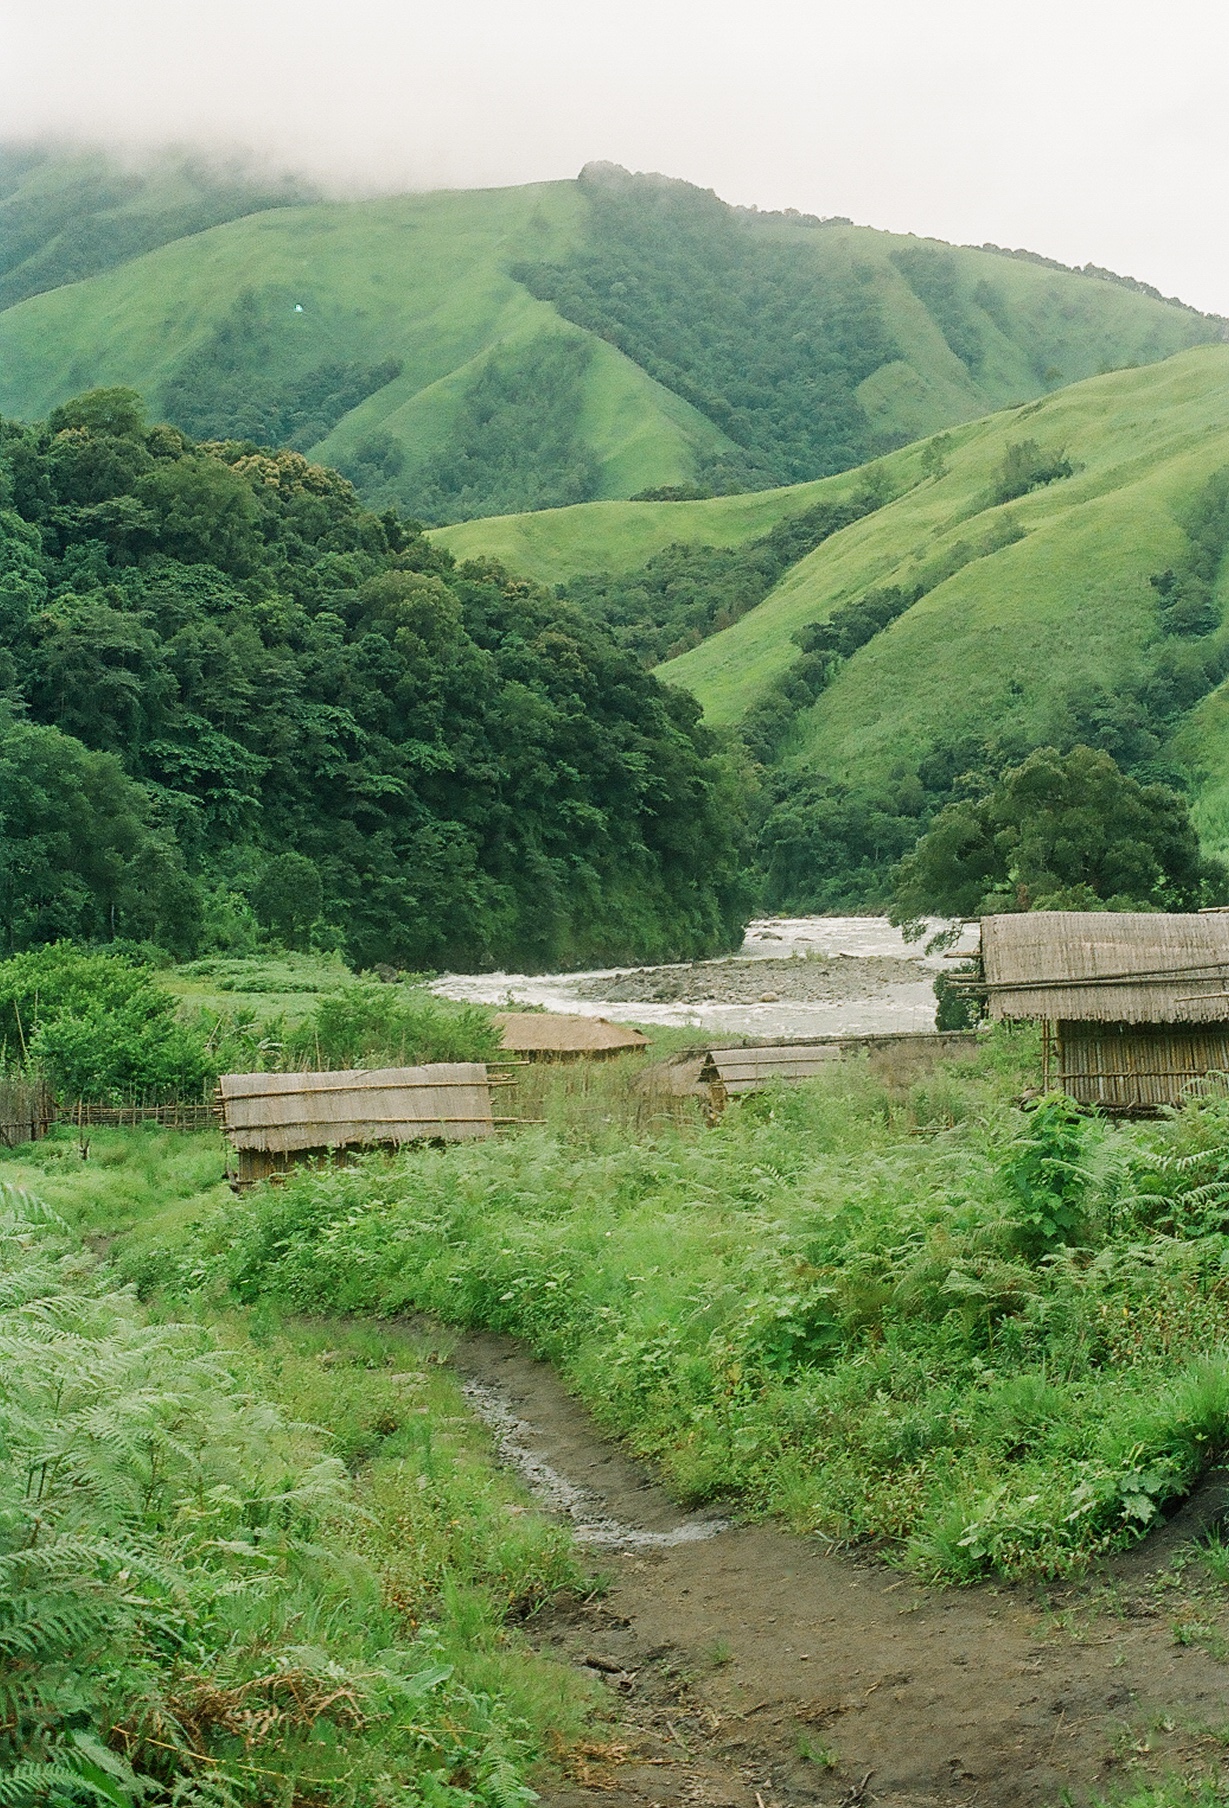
x: 1135, y: 1007
x: 274, y: 1119
x: 895, y: 1058
x: 564, y: 1036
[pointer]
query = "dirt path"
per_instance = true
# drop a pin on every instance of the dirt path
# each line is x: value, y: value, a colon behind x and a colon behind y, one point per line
x: 750, y: 1667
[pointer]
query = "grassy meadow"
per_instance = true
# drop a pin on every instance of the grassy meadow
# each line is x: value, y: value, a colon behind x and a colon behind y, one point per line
x: 1066, y: 602
x: 986, y: 1340
x: 553, y: 545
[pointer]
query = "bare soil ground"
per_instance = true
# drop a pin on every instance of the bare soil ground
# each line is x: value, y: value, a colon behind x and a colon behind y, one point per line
x: 759, y: 1669
x: 813, y: 979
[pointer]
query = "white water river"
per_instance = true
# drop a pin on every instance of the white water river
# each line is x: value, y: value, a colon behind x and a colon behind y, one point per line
x: 871, y: 981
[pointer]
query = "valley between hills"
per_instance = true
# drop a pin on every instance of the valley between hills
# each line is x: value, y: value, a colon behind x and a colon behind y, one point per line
x: 410, y: 601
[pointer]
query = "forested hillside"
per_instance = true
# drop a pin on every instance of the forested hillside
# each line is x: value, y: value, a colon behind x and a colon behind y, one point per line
x: 1051, y: 576
x: 231, y: 696
x: 68, y: 216
x: 477, y: 353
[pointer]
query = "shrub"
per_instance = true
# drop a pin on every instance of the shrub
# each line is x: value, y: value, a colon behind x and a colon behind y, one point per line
x: 1027, y: 466
x: 97, y: 1026
x: 372, y: 1025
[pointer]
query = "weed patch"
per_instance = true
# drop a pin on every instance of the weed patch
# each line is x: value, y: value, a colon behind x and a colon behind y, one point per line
x: 201, y: 1592
x: 999, y: 1346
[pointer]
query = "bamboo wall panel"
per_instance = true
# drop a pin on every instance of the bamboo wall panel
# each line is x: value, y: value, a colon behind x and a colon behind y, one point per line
x: 894, y: 1058
x: 564, y: 1035
x: 1108, y: 966
x: 447, y: 1101
x: 1134, y: 1067
x: 26, y: 1112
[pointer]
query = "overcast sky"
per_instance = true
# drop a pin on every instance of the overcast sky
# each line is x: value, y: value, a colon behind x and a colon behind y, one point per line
x: 1086, y: 129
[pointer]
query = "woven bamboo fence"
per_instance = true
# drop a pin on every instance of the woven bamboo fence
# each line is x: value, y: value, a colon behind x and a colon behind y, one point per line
x: 27, y: 1110
x: 177, y: 1115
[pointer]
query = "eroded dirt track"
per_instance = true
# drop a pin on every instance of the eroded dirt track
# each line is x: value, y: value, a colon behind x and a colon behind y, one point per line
x: 756, y: 1669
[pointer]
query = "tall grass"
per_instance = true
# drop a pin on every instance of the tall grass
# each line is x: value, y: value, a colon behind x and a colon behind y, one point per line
x: 835, y: 1304
x: 202, y: 1597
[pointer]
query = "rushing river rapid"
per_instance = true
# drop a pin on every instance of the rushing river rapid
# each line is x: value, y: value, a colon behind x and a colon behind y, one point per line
x: 792, y: 977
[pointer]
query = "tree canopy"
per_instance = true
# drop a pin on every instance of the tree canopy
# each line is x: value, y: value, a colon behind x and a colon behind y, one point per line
x: 212, y: 658
x: 1059, y: 832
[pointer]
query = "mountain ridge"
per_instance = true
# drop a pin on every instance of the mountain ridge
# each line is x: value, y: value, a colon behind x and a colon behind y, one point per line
x: 412, y: 342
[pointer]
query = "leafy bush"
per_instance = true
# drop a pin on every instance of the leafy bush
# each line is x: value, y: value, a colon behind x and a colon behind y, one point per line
x: 371, y: 1025
x: 1026, y: 466
x: 1048, y: 1184
x: 98, y: 1026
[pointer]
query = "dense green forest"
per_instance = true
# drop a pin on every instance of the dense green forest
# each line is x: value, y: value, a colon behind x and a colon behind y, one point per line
x: 216, y: 663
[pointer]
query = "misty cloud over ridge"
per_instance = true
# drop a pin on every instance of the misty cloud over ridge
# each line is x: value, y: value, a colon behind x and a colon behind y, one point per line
x: 1084, y: 137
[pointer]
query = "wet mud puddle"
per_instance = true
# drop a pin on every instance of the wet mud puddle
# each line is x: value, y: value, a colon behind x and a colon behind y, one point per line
x: 744, y: 1666
x: 516, y: 1441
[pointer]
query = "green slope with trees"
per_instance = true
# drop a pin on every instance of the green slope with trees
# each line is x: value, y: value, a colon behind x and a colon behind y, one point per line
x: 68, y: 214
x: 489, y: 352
x: 1051, y: 576
x: 231, y: 696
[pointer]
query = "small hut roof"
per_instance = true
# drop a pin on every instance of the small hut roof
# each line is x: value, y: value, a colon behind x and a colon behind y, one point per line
x: 1108, y: 966
x: 447, y: 1101
x: 564, y: 1033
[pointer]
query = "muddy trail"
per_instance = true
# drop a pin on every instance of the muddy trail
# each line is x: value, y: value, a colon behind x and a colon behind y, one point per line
x: 750, y: 1667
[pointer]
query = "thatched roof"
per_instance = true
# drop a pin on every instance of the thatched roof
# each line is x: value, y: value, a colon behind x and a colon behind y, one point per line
x: 564, y: 1033
x: 756, y: 1065
x: 748, y: 1069
x: 1108, y: 966
x: 448, y: 1101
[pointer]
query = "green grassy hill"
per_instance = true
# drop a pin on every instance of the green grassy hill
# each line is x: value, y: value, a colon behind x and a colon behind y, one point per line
x: 477, y: 353
x: 553, y: 545
x: 1038, y: 620
x: 72, y: 214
